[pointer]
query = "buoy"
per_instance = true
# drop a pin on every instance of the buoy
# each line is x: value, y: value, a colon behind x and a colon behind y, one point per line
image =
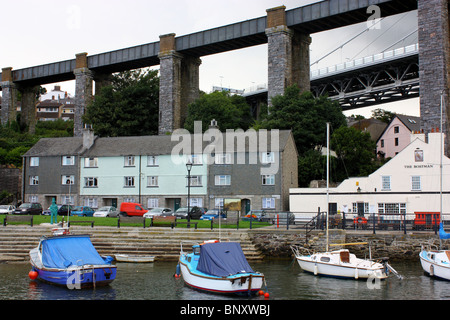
x: 260, y: 292
x: 33, y: 275
x: 266, y: 295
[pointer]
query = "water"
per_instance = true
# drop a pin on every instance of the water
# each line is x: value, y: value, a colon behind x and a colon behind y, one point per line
x: 285, y: 281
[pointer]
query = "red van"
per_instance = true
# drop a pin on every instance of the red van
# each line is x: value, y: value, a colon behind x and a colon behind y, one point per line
x: 132, y: 209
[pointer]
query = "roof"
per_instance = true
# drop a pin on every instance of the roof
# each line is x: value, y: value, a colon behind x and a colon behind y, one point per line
x: 412, y: 123
x: 147, y: 145
x: 373, y: 126
x: 47, y: 147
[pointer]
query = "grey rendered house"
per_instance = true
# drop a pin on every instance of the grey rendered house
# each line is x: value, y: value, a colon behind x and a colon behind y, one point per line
x: 260, y: 177
x: 51, y: 170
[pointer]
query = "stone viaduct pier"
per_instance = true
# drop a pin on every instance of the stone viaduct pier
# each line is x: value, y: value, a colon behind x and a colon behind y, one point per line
x: 287, y: 34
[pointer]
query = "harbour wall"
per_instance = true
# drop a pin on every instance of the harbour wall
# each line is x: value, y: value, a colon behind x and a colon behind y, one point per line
x: 395, y: 245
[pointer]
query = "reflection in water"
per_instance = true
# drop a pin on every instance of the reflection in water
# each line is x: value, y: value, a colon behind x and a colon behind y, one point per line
x: 285, y: 281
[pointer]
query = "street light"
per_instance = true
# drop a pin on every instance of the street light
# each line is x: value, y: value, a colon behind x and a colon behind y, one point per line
x: 189, y: 167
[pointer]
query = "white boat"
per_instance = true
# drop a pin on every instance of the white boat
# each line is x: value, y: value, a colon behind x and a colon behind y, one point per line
x: 340, y: 263
x: 134, y: 258
x: 219, y: 267
x: 436, y: 263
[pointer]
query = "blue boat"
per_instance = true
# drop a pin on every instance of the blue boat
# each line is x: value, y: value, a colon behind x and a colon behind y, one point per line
x: 71, y: 261
x: 219, y: 267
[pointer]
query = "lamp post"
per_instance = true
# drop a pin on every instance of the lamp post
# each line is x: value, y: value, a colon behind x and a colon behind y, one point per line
x: 189, y: 167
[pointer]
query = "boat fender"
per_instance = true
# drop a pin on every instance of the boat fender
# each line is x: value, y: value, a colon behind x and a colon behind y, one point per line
x: 356, y: 274
x: 32, y: 275
x: 432, y: 270
x: 316, y: 271
x: 177, y: 271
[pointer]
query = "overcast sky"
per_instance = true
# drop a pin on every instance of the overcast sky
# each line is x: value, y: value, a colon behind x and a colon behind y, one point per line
x: 40, y: 32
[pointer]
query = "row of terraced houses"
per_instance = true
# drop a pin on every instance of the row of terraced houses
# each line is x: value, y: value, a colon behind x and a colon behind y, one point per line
x: 97, y: 171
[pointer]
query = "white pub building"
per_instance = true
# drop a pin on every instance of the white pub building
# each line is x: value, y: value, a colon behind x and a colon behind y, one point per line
x: 408, y: 183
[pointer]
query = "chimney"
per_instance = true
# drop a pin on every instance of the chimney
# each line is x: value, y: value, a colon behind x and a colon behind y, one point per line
x: 88, y: 137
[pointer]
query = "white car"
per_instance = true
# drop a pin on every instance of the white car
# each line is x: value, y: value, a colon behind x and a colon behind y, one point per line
x: 7, y: 209
x: 107, y: 211
x: 158, y: 212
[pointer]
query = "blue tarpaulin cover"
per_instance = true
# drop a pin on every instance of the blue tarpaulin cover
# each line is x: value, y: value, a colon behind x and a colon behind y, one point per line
x: 222, y: 259
x: 442, y: 233
x: 64, y: 251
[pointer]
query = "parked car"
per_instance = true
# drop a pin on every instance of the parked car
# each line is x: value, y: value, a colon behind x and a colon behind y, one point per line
x: 82, y: 211
x: 213, y: 214
x: 29, y: 208
x: 196, y: 212
x: 132, y: 209
x: 47, y: 212
x: 64, y: 209
x: 164, y: 212
x: 258, y: 215
x: 281, y: 217
x: 7, y: 209
x: 107, y: 211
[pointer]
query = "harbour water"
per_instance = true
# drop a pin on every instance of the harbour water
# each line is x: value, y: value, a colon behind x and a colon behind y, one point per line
x: 285, y: 281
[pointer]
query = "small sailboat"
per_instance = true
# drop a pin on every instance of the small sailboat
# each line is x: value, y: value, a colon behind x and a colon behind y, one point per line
x: 71, y: 261
x: 219, y: 267
x: 436, y: 263
x: 340, y: 263
x: 134, y: 258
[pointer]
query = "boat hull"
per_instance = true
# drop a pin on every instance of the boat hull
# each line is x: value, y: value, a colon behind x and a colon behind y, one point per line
x: 134, y: 259
x: 245, y: 284
x: 79, y: 277
x: 439, y: 267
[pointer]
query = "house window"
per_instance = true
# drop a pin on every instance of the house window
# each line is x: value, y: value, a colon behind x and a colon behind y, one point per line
x: 68, y: 180
x: 222, y: 180
x: 218, y: 203
x: 396, y: 129
x: 386, y: 183
x: 268, y: 179
x: 33, y: 199
x: 68, y: 160
x: 195, y: 202
x: 222, y: 158
x: 67, y: 200
x: 396, y: 142
x: 382, y: 143
x: 91, y: 202
x: 415, y: 183
x: 152, y: 161
x: 267, y: 157
x: 195, y: 159
x: 392, y: 208
x: 34, y: 161
x: 34, y: 180
x: 152, y: 203
x: 129, y: 161
x: 196, y: 181
x: 91, y: 182
x: 129, y: 200
x: 90, y: 162
x: 152, y: 181
x: 129, y: 182
x: 268, y: 203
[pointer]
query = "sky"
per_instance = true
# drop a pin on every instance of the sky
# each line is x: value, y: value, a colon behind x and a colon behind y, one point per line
x: 40, y: 32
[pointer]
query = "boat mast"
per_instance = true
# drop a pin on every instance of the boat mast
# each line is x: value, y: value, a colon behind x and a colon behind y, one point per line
x: 328, y: 176
x: 440, y: 165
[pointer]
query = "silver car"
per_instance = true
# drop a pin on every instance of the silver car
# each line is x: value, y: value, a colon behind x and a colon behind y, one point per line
x: 7, y: 209
x: 107, y: 211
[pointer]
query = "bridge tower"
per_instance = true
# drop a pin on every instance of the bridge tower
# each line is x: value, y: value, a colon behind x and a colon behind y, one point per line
x: 179, y: 83
x: 288, y: 55
x: 434, y: 64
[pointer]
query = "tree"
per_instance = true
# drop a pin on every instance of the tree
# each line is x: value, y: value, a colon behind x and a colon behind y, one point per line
x: 305, y: 115
x: 356, y: 153
x: 127, y: 107
x: 383, y: 115
x: 230, y: 111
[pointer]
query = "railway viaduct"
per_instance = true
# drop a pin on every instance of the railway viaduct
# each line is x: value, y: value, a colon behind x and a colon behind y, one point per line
x: 287, y: 34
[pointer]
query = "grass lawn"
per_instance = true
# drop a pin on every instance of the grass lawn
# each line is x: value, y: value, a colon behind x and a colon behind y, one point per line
x: 112, y: 222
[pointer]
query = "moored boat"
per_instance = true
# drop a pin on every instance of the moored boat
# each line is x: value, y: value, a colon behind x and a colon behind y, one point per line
x: 71, y: 261
x: 134, y: 258
x: 219, y: 267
